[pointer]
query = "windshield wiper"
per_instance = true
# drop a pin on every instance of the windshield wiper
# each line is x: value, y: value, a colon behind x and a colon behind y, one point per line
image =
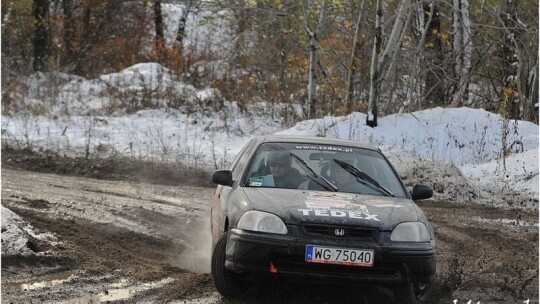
x: 363, y: 178
x: 316, y: 177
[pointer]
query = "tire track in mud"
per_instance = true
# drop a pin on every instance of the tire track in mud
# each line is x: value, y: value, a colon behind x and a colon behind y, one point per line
x: 119, y: 237
x: 484, y: 254
x: 101, y: 257
x: 150, y: 209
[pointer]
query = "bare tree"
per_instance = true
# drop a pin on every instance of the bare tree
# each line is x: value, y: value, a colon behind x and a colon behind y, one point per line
x: 158, y: 22
x: 313, y: 61
x: 371, y: 119
x: 463, y: 47
x: 434, y: 55
x: 531, y: 107
x: 355, y: 55
x: 69, y: 39
x: 181, y: 33
x: 422, y: 27
x: 512, y: 62
x: 41, y: 44
x: 379, y: 66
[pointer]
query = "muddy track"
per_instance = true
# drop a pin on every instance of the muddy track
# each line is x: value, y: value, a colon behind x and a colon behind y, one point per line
x: 131, y: 242
x: 486, y: 254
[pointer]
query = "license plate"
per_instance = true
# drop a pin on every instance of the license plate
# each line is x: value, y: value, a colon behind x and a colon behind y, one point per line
x: 342, y: 256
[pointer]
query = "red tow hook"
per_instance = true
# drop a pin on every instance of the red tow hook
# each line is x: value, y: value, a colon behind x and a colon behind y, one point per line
x: 273, y: 268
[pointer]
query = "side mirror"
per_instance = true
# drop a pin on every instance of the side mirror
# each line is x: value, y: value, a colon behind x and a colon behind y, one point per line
x: 222, y: 177
x: 420, y: 192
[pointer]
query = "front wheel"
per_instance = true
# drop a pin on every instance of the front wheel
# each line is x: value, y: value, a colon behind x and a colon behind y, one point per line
x: 413, y: 293
x: 229, y: 284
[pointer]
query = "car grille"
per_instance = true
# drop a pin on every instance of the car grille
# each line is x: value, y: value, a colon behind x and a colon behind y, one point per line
x: 361, y: 233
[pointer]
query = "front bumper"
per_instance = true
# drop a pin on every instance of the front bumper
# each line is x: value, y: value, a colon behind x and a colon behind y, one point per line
x: 284, y: 255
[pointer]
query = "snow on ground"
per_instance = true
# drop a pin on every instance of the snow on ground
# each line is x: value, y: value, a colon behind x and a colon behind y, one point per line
x: 16, y: 234
x: 459, y: 151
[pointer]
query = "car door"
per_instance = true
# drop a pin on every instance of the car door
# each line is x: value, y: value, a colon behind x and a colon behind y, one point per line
x: 220, y: 201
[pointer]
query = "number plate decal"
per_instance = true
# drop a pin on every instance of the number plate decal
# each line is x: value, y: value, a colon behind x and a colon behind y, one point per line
x: 342, y: 256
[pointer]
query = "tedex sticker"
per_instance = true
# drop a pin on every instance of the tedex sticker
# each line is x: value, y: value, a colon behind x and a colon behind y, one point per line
x: 326, y: 202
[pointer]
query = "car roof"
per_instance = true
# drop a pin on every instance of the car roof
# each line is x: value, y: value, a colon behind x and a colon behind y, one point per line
x: 315, y: 140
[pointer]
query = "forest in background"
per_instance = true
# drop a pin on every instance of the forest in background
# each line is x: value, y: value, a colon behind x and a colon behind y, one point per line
x: 331, y: 57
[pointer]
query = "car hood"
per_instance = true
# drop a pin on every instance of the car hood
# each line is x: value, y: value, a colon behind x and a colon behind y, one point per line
x: 304, y: 206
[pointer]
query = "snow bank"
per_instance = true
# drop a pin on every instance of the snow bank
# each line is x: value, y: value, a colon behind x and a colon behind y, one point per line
x: 457, y: 151
x: 513, y: 181
x: 457, y: 136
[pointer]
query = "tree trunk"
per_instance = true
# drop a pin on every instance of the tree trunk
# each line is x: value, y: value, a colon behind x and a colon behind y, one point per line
x: 313, y: 46
x: 531, y: 107
x: 95, y: 23
x: 312, y: 84
x: 458, y: 38
x: 371, y: 119
x: 41, y: 35
x: 355, y: 57
x: 158, y: 22
x: 69, y: 37
x: 415, y: 87
x: 395, y: 36
x: 380, y: 66
x: 394, y: 45
x: 462, y: 51
x: 434, y: 93
x: 181, y: 33
x: 510, y: 62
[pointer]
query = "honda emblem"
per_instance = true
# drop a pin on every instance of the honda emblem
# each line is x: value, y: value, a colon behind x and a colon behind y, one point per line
x: 339, y: 232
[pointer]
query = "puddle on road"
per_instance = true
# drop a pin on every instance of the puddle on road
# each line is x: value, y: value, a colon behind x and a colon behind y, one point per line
x: 504, y: 221
x: 48, y: 281
x: 119, y: 291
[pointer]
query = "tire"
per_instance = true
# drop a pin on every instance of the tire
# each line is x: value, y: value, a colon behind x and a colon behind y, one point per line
x: 413, y: 293
x: 229, y: 284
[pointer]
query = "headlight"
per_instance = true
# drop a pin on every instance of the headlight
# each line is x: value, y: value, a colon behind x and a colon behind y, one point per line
x: 262, y: 222
x: 410, y: 232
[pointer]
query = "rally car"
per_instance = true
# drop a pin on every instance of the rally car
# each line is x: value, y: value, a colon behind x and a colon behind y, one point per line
x: 319, y: 208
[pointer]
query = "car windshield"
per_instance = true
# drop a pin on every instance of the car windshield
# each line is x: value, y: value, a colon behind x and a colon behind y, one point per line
x: 323, y: 168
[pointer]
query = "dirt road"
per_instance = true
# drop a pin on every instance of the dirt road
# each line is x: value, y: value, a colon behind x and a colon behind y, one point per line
x: 132, y: 242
